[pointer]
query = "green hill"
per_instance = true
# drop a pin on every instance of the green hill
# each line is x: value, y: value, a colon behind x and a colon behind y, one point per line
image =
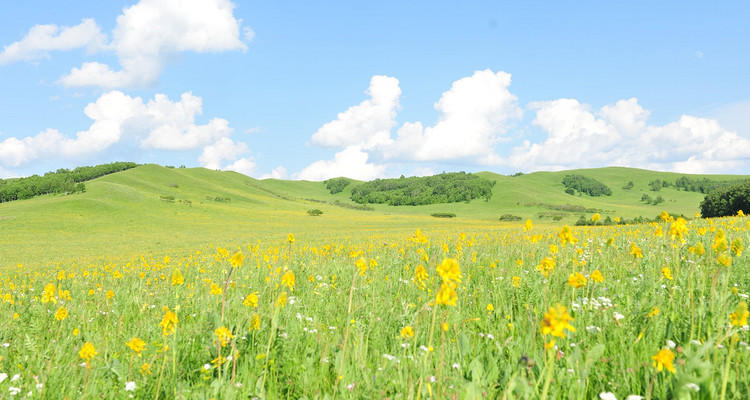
x: 153, y: 210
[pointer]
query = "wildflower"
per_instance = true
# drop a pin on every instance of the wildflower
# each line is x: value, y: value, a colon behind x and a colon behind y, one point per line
x: 740, y: 213
x: 236, y: 259
x: 251, y: 300
x: 698, y: 249
x: 577, y: 280
x: 517, y: 281
x: 607, y: 396
x: 168, y: 323
x: 739, y: 317
x: 546, y: 266
x: 490, y: 308
x: 664, y: 359
x: 720, y: 242
x: 595, y: 218
x: 61, y: 314
x: 110, y: 294
x: 130, y: 386
x: 290, y: 238
x: 255, y: 322
x: 553, y: 249
x: 288, y: 279
x: 556, y: 320
x: 137, y: 345
x: 218, y: 361
x: 146, y: 369
x: 566, y: 236
x: 449, y: 270
x: 361, y: 264
x: 654, y: 312
x: 281, y: 300
x: 76, y: 332
x: 737, y: 247
x: 635, y: 251
x: 407, y: 332
x: 666, y: 273
x: 216, y: 289
x: 597, y: 276
x: 446, y: 295
x: 724, y: 260
x: 224, y: 335
x: 664, y: 216
x: 527, y: 225
x: 48, y: 294
x: 177, y: 278
x: 87, y: 352
x: 420, y: 275
x: 678, y: 229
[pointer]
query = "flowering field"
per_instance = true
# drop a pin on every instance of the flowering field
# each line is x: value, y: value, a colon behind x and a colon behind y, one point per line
x: 643, y: 311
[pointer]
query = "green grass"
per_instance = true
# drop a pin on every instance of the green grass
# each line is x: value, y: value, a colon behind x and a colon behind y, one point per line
x: 123, y: 214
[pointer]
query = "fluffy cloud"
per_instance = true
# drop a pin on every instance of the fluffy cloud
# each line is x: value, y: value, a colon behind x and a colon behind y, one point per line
x: 350, y: 162
x: 277, y: 173
x: 472, y: 117
x: 368, y: 124
x: 150, y: 32
x: 619, y: 134
x: 42, y: 39
x: 224, y: 149
x: 159, y: 124
x: 244, y: 166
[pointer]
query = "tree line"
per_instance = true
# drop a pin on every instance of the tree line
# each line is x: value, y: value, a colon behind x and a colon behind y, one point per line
x: 583, y: 184
x: 60, y: 181
x: 442, y: 188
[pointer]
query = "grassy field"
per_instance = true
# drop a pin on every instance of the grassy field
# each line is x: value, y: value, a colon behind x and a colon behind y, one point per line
x: 127, y: 214
x: 153, y: 285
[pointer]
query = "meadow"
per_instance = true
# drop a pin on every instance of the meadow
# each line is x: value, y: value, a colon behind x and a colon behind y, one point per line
x: 355, y: 304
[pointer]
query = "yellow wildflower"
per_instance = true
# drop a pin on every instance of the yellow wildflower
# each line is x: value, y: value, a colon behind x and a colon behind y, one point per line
x: 281, y: 300
x: 236, y: 259
x: 654, y: 312
x: 556, y: 321
x: 137, y: 345
x: 490, y: 308
x: 168, y: 323
x: 177, y: 278
x: 666, y: 273
x: 527, y: 225
x: 146, y: 369
x: 517, y: 281
x: 288, y: 279
x: 251, y: 300
x: 635, y: 251
x: 566, y: 236
x: 449, y: 270
x: 446, y: 295
x: 407, y: 332
x: 577, y: 280
x: 597, y: 276
x: 361, y: 264
x: 724, y: 259
x: 224, y: 335
x: 739, y: 317
x: 216, y: 289
x: 61, y: 314
x: 290, y: 238
x: 87, y: 352
x: 664, y: 359
x: 255, y: 322
x: 546, y: 266
x: 737, y: 247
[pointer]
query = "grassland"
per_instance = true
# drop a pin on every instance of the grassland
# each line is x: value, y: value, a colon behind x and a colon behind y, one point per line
x: 129, y: 213
x: 189, y: 283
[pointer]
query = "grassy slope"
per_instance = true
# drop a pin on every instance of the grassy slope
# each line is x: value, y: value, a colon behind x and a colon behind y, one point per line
x: 122, y: 215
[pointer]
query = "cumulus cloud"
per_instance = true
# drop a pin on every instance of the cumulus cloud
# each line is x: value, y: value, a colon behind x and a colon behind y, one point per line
x: 619, y: 134
x: 367, y: 124
x: 473, y: 116
x: 160, y: 124
x: 245, y: 166
x: 350, y: 162
x: 277, y: 173
x: 150, y: 32
x: 42, y: 39
x: 225, y: 149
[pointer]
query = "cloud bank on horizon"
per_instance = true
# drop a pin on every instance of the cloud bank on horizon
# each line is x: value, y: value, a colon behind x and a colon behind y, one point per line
x: 480, y: 122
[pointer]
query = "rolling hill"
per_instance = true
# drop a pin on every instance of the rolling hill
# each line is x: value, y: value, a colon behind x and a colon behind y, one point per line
x: 153, y: 210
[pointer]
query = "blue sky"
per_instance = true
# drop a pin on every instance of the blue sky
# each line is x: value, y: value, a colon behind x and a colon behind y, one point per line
x: 312, y: 90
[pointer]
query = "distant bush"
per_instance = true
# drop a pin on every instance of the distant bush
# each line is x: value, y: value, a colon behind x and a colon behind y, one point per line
x: 413, y: 191
x: 587, y: 185
x: 219, y: 199
x: 314, y: 212
x: 337, y: 185
x: 517, y: 174
x: 353, y: 206
x: 443, y: 215
x: 570, y: 191
x: 726, y: 201
x: 628, y: 186
x: 510, y: 217
x: 168, y: 199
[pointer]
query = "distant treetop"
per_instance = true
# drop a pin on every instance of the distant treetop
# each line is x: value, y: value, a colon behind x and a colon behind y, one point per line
x: 442, y: 188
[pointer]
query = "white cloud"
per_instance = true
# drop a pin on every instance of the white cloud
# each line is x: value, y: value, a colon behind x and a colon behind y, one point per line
x: 42, y: 39
x: 150, y: 32
x: 277, y: 173
x: 350, y: 162
x: 160, y: 124
x: 619, y: 135
x: 176, y: 129
x: 245, y: 166
x: 473, y: 116
x: 368, y: 124
x: 224, y: 149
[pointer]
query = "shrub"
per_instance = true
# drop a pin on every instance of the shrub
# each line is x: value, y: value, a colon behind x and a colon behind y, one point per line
x: 583, y: 184
x: 510, y: 217
x: 443, y: 215
x: 314, y: 212
x: 726, y: 201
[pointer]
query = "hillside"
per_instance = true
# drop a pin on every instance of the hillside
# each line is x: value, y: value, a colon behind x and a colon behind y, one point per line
x: 161, y: 211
